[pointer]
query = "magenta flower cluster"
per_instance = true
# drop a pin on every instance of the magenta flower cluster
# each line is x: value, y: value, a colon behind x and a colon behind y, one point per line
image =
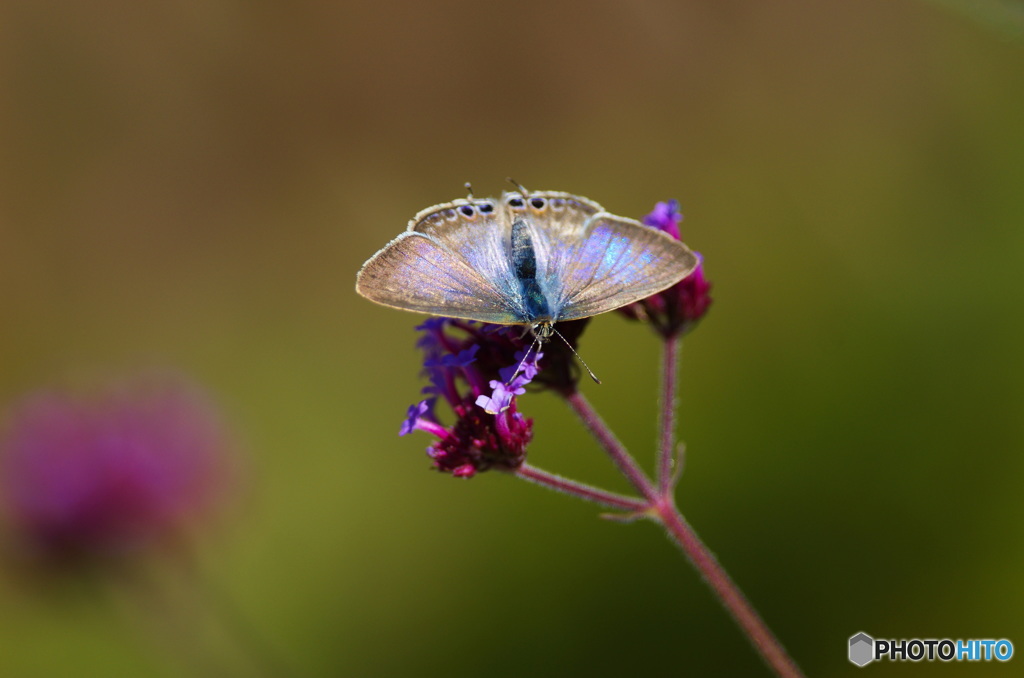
x: 461, y: 364
x: 111, y: 474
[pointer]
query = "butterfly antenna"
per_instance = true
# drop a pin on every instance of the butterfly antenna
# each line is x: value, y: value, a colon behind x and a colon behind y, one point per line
x: 469, y: 189
x: 519, y: 367
x: 522, y: 189
x: 582, y: 362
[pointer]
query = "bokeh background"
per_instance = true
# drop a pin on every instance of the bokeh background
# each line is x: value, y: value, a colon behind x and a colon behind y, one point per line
x: 195, y: 185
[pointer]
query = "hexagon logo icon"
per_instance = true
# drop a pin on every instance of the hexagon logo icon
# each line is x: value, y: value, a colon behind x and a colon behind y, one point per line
x: 862, y: 649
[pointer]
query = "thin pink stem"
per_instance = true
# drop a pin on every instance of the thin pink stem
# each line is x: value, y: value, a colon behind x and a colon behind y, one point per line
x: 660, y: 506
x: 667, y: 419
x: 580, y: 490
x: 618, y: 453
x: 732, y: 598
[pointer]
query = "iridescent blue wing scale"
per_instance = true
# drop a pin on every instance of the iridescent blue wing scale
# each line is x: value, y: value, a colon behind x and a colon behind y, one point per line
x: 612, y: 262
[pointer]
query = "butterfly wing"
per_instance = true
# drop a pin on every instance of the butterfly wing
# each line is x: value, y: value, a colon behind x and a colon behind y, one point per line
x: 482, y: 240
x: 611, y: 262
x: 564, y: 216
x: 450, y: 264
x: 415, y: 272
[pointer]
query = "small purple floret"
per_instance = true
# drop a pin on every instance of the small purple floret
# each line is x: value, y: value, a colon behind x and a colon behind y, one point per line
x: 666, y: 217
x: 524, y: 369
x: 461, y: 359
x: 500, y: 398
x: 514, y: 380
x: 414, y: 416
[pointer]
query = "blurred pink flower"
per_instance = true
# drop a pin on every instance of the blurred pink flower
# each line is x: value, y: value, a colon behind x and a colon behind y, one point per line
x: 131, y: 468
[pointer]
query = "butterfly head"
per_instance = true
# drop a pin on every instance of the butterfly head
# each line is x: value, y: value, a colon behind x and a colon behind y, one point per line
x: 543, y: 329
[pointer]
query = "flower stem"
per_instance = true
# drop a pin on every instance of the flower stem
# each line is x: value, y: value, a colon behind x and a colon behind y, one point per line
x: 580, y: 490
x: 618, y: 453
x: 667, y: 418
x: 728, y: 593
x: 660, y: 506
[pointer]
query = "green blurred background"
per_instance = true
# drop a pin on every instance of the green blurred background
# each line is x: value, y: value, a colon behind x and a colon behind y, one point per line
x: 195, y: 184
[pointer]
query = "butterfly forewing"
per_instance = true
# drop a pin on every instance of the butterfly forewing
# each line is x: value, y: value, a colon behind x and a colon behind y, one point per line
x: 616, y: 261
x: 415, y: 272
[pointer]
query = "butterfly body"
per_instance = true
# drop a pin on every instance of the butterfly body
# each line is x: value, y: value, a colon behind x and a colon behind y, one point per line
x: 528, y: 258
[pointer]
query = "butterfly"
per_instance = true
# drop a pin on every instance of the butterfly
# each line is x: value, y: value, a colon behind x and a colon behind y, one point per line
x: 531, y: 258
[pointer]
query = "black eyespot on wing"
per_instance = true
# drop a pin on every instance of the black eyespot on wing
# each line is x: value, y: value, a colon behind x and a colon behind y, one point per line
x: 466, y: 210
x: 485, y: 208
x: 538, y: 203
x: 515, y: 202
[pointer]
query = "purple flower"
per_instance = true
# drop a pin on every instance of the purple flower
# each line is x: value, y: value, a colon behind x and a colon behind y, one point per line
x: 479, y: 370
x: 500, y: 398
x: 96, y: 478
x: 678, y: 309
x: 666, y: 217
x: 478, y: 441
x: 514, y: 379
x: 415, y: 415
